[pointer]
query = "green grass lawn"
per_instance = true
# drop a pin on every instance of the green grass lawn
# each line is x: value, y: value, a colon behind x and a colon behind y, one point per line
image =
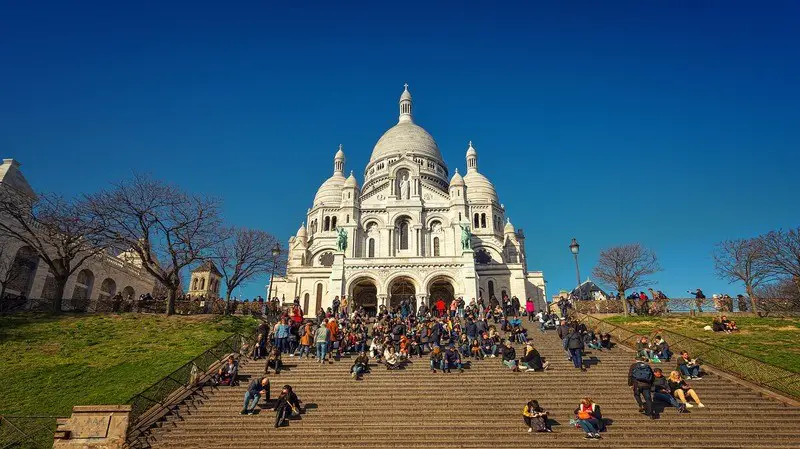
x: 772, y: 340
x: 49, y: 364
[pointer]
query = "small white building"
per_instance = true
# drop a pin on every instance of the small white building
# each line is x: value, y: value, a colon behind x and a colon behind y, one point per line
x: 413, y: 231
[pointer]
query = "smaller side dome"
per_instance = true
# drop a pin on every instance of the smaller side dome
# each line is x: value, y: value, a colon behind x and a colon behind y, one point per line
x: 509, y: 228
x: 457, y: 180
x: 471, y: 150
x: 302, y: 231
x: 351, y: 182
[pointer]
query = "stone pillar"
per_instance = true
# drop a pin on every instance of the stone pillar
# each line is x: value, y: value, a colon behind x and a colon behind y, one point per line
x: 470, y: 276
x: 382, y: 300
x: 93, y: 426
x: 336, y: 280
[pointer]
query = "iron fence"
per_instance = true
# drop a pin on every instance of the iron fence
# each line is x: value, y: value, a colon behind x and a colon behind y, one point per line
x: 775, y: 378
x: 166, y: 392
x: 10, y: 306
x: 27, y: 432
x: 764, y: 307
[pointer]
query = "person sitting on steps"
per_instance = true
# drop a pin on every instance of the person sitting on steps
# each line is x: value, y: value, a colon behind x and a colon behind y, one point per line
x: 437, y: 359
x: 256, y: 389
x: 288, y: 405
x: 452, y: 359
x: 390, y: 358
x: 535, y: 417
x: 643, y: 350
x: 360, y: 366
x: 680, y: 389
x: 274, y: 361
x: 532, y: 360
x: 226, y: 375
x: 662, y: 348
x: 475, y: 350
x: 510, y: 357
x: 663, y: 392
x: 688, y: 366
x: 589, y: 418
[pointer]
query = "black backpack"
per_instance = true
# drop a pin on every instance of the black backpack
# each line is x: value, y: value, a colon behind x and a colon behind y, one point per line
x: 642, y: 372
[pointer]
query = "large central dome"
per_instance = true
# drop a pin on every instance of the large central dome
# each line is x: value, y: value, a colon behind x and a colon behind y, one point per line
x: 406, y: 137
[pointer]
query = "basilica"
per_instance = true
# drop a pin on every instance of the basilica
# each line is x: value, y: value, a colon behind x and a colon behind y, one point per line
x: 412, y: 232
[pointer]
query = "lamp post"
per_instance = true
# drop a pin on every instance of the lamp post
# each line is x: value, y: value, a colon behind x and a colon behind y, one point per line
x: 276, y: 251
x: 573, y: 248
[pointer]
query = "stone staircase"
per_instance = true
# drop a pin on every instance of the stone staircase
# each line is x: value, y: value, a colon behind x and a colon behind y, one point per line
x: 478, y: 408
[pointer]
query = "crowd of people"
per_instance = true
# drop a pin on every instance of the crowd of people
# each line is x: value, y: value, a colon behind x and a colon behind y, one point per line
x: 450, y: 339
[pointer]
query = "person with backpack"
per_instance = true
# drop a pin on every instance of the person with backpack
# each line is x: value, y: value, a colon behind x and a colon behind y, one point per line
x: 573, y: 343
x: 640, y: 378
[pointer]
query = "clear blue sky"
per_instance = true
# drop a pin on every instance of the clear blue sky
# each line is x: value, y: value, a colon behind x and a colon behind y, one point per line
x: 674, y: 125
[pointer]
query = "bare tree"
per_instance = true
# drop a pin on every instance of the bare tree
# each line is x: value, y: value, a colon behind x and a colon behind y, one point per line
x: 59, y: 230
x: 783, y: 253
x: 8, y: 272
x: 744, y: 260
x: 626, y: 267
x: 166, y: 227
x: 244, y: 254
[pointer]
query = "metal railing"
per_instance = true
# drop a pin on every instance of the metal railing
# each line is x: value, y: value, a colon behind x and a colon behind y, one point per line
x: 164, y: 394
x: 27, y: 432
x: 687, y: 305
x: 10, y: 306
x: 780, y: 380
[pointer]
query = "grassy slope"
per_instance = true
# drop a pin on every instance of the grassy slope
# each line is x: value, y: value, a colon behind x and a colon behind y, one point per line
x: 47, y: 365
x: 773, y: 340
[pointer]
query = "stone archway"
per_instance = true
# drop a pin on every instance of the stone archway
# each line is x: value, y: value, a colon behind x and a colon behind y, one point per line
x: 441, y: 287
x: 402, y: 289
x: 364, y: 293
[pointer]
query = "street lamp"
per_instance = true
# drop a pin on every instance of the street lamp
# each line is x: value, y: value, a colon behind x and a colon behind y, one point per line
x: 573, y: 248
x: 276, y: 251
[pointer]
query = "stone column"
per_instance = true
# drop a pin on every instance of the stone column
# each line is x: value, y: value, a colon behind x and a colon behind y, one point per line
x: 336, y: 280
x: 93, y: 426
x: 470, y: 276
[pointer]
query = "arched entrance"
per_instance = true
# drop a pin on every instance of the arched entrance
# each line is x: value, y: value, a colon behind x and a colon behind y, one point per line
x: 402, y: 289
x: 441, y: 288
x: 364, y: 293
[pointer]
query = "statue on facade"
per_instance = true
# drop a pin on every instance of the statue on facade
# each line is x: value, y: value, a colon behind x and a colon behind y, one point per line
x: 466, y: 237
x: 341, y: 240
x: 405, y: 186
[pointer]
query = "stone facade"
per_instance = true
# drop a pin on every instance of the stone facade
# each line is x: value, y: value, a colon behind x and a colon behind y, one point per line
x: 205, y: 281
x: 404, y: 231
x: 100, y: 277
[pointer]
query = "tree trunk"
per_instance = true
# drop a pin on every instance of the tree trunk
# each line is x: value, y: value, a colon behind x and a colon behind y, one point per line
x: 171, y: 294
x: 624, y: 302
x: 61, y: 285
x: 227, y: 301
x: 753, y: 300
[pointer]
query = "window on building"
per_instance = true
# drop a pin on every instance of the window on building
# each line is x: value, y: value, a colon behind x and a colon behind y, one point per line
x: 371, y: 248
x: 477, y: 220
x: 333, y: 224
x: 326, y: 224
x: 483, y: 220
x: 491, y: 289
x: 403, y: 234
x: 436, y: 246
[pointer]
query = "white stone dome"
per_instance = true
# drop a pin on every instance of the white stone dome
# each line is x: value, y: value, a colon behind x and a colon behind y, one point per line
x: 302, y: 231
x: 330, y: 192
x: 457, y: 180
x: 351, y: 181
x: 479, y: 187
x: 406, y: 137
x: 508, y: 228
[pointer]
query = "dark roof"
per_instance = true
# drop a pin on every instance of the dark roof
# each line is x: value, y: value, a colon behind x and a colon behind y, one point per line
x: 207, y: 266
x: 588, y: 286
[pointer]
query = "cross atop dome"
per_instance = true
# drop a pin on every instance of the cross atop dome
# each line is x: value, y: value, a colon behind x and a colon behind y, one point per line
x: 405, y: 106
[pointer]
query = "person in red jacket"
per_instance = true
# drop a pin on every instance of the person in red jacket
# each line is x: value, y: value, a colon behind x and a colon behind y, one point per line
x: 440, y: 306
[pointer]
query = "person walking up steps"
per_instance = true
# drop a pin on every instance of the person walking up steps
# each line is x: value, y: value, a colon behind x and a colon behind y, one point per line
x: 640, y: 378
x: 321, y: 337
